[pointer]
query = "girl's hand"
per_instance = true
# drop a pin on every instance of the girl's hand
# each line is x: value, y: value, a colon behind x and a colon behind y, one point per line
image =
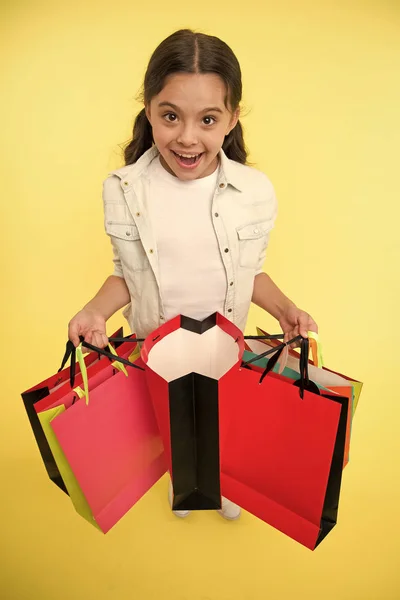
x: 91, y: 325
x: 296, y: 322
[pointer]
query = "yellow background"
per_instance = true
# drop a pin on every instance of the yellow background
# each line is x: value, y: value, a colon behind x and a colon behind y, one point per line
x: 321, y: 92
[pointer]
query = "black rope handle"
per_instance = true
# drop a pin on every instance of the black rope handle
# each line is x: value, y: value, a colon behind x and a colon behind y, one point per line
x: 125, y: 339
x: 70, y: 353
x: 304, y: 378
x: 109, y: 355
x: 272, y: 350
x: 304, y: 382
x: 272, y: 362
x: 129, y: 338
x: 276, y: 336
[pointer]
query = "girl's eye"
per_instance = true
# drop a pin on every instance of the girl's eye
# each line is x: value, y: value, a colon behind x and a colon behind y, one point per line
x: 170, y: 115
x: 171, y: 118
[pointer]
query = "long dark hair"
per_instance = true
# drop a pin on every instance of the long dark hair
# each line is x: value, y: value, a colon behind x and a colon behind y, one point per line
x: 186, y: 51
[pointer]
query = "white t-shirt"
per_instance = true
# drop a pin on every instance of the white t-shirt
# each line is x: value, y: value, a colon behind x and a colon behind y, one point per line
x: 192, y: 275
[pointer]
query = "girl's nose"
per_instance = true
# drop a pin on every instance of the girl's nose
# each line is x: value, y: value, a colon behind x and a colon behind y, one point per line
x: 187, y: 136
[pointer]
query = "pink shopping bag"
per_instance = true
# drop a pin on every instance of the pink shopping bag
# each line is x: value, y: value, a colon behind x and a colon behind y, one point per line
x: 113, y: 445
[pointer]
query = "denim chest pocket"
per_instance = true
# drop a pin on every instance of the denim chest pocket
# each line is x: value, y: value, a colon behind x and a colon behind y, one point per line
x: 252, y: 239
x: 126, y: 238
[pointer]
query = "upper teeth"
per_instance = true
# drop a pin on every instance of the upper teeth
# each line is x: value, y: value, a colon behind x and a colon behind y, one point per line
x: 187, y: 155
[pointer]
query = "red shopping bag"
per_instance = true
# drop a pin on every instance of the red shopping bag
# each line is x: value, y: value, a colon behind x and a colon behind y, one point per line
x: 282, y: 451
x: 46, y: 415
x: 113, y: 445
x: 186, y: 361
x: 50, y: 391
x: 320, y: 374
x: 346, y: 391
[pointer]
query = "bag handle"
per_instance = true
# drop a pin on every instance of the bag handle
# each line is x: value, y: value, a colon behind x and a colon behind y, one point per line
x: 271, y: 350
x: 128, y: 338
x: 272, y: 361
x: 314, y: 343
x: 276, y: 336
x: 72, y: 353
x: 316, y: 349
x: 78, y: 390
x: 304, y: 382
x: 109, y: 355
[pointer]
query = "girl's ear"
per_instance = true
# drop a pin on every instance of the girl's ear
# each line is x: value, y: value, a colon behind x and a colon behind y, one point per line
x: 147, y: 111
x: 234, y: 120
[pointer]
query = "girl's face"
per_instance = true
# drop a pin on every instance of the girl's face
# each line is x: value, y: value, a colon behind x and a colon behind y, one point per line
x: 189, y: 118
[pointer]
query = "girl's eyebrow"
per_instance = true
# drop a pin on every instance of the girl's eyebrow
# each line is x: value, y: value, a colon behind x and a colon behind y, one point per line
x: 209, y: 109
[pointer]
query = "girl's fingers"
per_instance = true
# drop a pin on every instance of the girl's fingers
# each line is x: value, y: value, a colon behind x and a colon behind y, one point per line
x: 304, y: 324
x: 312, y: 326
x: 73, y: 334
x: 89, y: 340
x: 104, y: 339
x: 294, y: 333
x: 96, y: 339
x: 99, y: 339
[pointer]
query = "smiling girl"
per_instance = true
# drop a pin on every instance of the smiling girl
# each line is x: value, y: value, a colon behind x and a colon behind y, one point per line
x: 189, y: 220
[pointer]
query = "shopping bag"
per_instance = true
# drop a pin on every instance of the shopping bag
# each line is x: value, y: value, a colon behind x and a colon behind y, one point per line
x: 111, y: 442
x: 261, y: 363
x: 47, y: 413
x: 57, y: 384
x: 319, y: 373
x: 282, y: 451
x: 96, y: 372
x: 281, y: 443
x: 71, y: 484
x: 185, y: 362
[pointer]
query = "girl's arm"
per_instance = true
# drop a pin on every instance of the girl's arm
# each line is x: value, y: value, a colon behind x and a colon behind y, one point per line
x: 292, y: 320
x: 90, y: 322
x: 268, y: 296
x: 112, y: 296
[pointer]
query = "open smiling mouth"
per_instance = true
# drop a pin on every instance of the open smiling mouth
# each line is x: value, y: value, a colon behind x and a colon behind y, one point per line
x: 187, y: 161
